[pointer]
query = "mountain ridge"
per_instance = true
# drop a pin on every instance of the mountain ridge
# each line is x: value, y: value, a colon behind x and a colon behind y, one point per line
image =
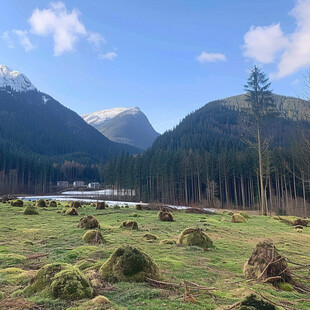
x: 124, y: 125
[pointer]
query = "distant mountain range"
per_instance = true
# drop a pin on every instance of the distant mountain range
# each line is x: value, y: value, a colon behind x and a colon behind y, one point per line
x: 38, y: 131
x: 124, y: 125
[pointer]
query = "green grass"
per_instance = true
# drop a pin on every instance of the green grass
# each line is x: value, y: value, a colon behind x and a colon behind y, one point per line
x: 57, y: 235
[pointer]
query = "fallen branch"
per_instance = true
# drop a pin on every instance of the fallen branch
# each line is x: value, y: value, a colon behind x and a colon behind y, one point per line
x: 198, y: 286
x: 235, y: 305
x: 157, y: 283
x: 272, y: 279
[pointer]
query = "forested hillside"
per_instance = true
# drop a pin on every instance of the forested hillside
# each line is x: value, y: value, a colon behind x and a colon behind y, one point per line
x: 41, y: 141
x: 208, y: 158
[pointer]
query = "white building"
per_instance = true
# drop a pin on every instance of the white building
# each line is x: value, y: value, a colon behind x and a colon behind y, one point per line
x: 63, y: 184
x: 93, y: 185
x: 78, y: 183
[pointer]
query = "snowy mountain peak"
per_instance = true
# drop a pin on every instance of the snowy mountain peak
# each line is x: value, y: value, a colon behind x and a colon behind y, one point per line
x: 16, y: 80
x: 99, y: 117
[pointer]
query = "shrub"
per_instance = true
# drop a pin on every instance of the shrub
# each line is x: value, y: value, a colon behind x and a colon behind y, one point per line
x: 129, y: 264
x: 116, y: 207
x: 17, y: 203
x: 93, y: 237
x: 31, y: 210
x: 129, y: 225
x: 88, y: 222
x: 41, y: 203
x: 195, y: 237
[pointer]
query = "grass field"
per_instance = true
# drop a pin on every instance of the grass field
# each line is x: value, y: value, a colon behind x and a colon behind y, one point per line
x: 56, y: 234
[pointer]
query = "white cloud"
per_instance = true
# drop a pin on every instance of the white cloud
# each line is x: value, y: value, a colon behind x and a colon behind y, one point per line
x: 96, y: 40
x: 108, y: 56
x: 7, y: 38
x: 263, y: 43
x: 24, y: 39
x: 210, y: 57
x: 64, y: 26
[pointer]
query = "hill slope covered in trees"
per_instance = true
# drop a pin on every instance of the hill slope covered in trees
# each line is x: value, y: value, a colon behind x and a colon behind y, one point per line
x: 206, y: 159
x: 41, y: 141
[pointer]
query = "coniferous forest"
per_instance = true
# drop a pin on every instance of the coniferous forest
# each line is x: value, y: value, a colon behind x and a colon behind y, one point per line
x: 211, y: 158
x: 42, y: 142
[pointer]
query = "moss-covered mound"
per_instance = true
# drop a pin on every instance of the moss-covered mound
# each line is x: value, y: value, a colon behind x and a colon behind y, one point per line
x: 31, y: 210
x: 244, y: 214
x: 237, y: 218
x: 41, y: 203
x: 129, y: 264
x: 101, y: 205
x: 167, y: 241
x: 70, y: 284
x: 72, y: 211
x: 149, y: 237
x: 129, y: 225
x: 252, y: 302
x: 266, y: 263
x: 53, y: 204
x: 59, y: 281
x: 195, y: 237
x: 89, y: 222
x: 17, y: 203
x: 165, y: 216
x: 293, y: 220
x: 75, y: 204
x: 101, y: 300
x: 301, y: 222
x: 138, y: 207
x: 93, y: 237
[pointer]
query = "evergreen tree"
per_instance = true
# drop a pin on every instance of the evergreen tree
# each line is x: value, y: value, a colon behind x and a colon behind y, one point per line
x: 261, y: 103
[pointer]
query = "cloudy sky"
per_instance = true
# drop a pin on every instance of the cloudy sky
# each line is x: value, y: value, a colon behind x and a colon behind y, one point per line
x: 168, y: 57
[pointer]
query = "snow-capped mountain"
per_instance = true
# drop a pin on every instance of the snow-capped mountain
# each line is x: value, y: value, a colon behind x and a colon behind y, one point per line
x: 99, y: 117
x: 16, y: 80
x: 37, y: 129
x: 124, y: 125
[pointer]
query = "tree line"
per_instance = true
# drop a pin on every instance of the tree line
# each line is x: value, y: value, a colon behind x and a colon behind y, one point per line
x: 245, y: 152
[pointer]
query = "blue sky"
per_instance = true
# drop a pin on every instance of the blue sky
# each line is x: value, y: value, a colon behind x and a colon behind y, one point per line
x: 168, y: 57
